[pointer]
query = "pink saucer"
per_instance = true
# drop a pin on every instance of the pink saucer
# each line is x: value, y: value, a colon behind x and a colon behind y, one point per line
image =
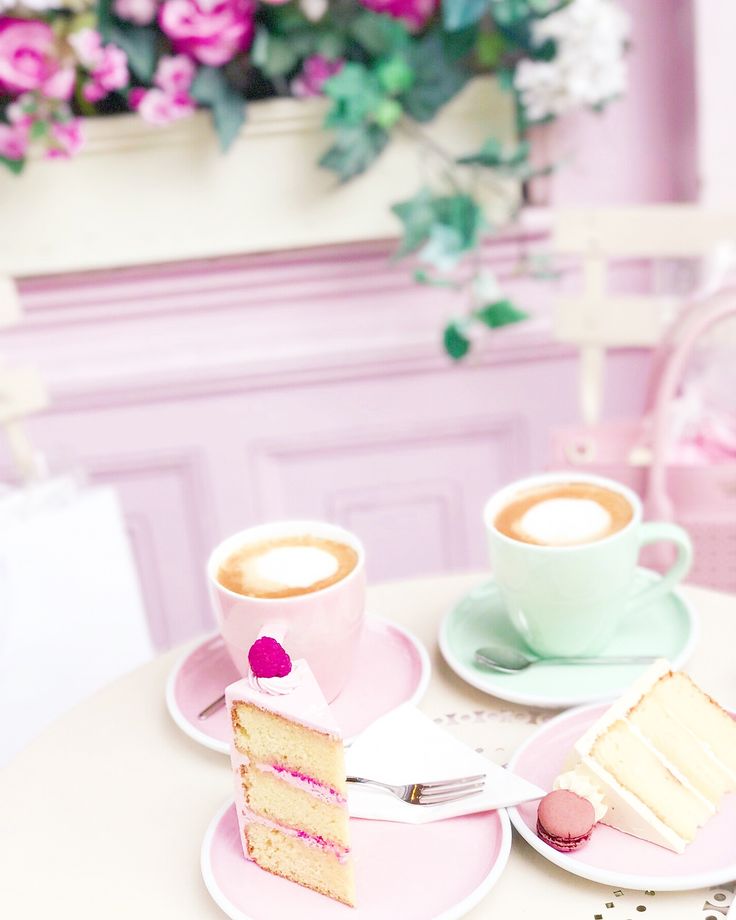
x: 610, y: 856
x: 202, y: 675
x: 435, y: 871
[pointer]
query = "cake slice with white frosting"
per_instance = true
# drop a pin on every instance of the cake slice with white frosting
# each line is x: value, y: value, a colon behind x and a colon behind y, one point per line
x: 660, y: 759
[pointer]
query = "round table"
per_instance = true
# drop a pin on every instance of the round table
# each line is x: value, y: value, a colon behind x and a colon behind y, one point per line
x: 103, y: 815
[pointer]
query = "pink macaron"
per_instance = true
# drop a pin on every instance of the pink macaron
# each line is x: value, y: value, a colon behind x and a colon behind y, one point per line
x: 565, y: 820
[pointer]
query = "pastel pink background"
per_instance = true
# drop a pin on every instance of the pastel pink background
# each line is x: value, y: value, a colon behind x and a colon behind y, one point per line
x: 312, y: 384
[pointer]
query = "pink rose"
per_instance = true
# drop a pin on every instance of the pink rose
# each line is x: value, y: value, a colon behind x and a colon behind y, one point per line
x: 141, y: 12
x: 210, y: 31
x: 28, y: 60
x: 174, y: 74
x: 316, y: 70
x: 160, y: 108
x: 107, y: 64
x: 414, y: 13
x: 13, y: 141
x: 66, y: 139
x: 169, y: 100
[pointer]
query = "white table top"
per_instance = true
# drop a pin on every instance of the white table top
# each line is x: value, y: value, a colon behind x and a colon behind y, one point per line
x: 102, y: 817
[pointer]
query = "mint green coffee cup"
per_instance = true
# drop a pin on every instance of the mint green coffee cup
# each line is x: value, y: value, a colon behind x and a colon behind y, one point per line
x: 570, y: 599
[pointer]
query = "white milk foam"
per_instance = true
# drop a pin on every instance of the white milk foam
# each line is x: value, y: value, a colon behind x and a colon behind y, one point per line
x: 295, y: 566
x: 562, y: 521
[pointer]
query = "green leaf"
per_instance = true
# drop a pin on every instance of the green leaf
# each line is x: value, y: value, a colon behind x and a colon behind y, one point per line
x: 379, y: 35
x: 387, y: 113
x: 436, y: 78
x: 15, y: 166
x: 461, y: 43
x: 505, y: 77
x: 329, y: 43
x: 211, y: 88
x: 423, y: 277
x: 355, y: 93
x: 39, y: 130
x: 354, y: 150
x: 490, y: 49
x: 274, y: 56
x: 463, y: 214
x: 456, y: 343
x: 501, y: 313
x: 446, y: 226
x: 417, y: 216
x: 394, y: 75
x: 457, y: 14
x: 494, y: 156
x: 444, y: 248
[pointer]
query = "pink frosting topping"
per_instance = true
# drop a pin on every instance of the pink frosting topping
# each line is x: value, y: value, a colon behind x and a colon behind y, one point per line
x: 268, y: 659
x: 313, y: 784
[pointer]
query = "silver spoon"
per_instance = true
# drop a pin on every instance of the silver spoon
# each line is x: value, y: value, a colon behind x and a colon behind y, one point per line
x: 508, y: 660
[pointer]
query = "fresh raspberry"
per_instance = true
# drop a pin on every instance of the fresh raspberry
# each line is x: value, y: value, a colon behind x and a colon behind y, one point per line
x: 268, y: 659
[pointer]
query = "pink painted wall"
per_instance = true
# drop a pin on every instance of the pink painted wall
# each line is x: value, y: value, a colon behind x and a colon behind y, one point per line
x: 642, y: 148
x: 220, y: 394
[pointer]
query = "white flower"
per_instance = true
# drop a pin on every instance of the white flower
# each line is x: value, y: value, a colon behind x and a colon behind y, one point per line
x: 486, y: 288
x: 314, y: 10
x: 588, y: 68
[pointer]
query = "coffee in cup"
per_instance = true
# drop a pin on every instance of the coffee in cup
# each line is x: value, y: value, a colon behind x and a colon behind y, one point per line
x: 564, y: 514
x: 286, y: 566
x: 564, y: 553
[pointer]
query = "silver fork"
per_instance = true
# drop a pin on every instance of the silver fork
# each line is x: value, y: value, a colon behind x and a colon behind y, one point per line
x: 434, y: 793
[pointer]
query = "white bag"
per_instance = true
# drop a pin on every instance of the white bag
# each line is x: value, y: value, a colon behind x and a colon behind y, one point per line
x: 71, y: 614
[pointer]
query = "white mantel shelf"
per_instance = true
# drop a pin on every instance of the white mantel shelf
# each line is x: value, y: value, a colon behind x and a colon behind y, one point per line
x: 140, y: 195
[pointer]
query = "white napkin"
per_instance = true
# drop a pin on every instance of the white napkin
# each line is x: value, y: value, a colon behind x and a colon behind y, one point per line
x: 406, y: 746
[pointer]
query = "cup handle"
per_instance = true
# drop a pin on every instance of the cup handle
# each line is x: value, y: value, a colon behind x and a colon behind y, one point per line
x: 653, y: 532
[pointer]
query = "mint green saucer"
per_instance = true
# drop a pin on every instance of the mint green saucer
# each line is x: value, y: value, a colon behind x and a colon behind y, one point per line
x: 668, y: 628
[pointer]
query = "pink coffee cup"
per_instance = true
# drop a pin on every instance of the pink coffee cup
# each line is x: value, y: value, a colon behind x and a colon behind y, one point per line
x: 324, y: 626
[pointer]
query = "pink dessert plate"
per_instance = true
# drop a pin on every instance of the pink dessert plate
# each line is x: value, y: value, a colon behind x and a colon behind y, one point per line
x: 610, y: 856
x: 203, y: 673
x: 436, y: 871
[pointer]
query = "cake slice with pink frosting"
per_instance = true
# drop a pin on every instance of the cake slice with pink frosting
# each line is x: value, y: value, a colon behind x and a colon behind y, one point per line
x: 289, y: 771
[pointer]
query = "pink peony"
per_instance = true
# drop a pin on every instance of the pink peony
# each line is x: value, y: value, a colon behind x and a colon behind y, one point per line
x: 28, y: 60
x: 414, y: 13
x: 141, y: 12
x: 174, y: 74
x: 210, y: 31
x: 160, y: 108
x: 316, y: 70
x: 13, y: 141
x: 169, y: 100
x: 107, y: 64
x: 66, y: 139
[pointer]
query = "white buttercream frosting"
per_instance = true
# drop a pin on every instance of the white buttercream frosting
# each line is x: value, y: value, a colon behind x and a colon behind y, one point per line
x: 295, y: 566
x: 275, y: 686
x: 575, y: 781
x: 564, y: 521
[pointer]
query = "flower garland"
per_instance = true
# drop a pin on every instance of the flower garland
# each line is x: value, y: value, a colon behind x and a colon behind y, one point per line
x: 384, y: 65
